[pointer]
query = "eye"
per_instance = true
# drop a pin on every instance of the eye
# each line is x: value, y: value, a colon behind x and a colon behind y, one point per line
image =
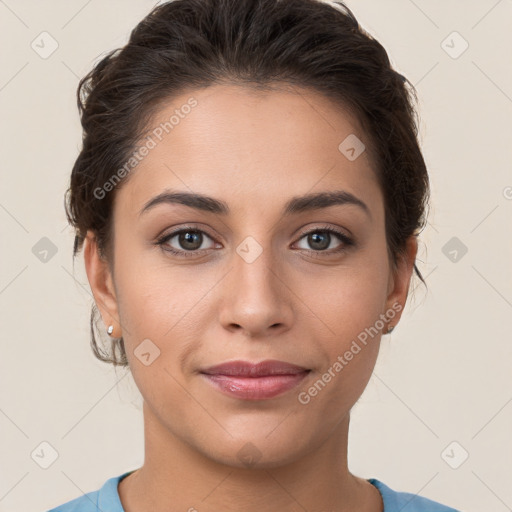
x: 321, y: 238
x: 188, y: 241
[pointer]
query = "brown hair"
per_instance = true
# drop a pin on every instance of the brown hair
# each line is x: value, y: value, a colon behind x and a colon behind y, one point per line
x: 185, y: 44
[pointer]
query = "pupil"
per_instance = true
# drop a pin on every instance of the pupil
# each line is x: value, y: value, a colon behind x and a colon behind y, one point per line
x: 326, y: 239
x: 187, y: 240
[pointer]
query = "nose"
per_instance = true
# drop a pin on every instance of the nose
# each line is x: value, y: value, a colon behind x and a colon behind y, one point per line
x: 256, y: 298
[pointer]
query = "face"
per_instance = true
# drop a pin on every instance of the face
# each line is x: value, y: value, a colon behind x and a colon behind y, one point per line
x: 248, y: 278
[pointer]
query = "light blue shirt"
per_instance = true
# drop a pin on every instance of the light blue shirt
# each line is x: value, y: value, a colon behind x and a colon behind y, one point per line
x: 107, y: 499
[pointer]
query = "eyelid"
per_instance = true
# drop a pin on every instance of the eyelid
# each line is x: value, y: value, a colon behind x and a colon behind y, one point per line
x: 185, y: 227
x: 325, y: 227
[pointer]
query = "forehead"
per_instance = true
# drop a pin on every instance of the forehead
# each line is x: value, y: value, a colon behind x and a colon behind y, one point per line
x: 251, y: 147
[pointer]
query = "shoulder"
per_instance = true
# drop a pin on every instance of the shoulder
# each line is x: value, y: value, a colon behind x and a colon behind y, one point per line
x: 105, y: 499
x: 395, y: 501
x: 85, y: 503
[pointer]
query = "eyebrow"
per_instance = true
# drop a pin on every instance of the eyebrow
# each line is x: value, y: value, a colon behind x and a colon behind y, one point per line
x: 295, y: 205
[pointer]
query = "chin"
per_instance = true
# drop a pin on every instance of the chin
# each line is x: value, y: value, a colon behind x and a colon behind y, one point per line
x: 258, y: 451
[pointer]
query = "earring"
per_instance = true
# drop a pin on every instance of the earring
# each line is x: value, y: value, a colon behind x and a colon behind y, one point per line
x: 390, y: 329
x: 110, y: 329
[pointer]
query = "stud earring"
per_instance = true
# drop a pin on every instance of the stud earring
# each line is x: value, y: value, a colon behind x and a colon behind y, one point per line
x: 390, y: 329
x: 110, y: 329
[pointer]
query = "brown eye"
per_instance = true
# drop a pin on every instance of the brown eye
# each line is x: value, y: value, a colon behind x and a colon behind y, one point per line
x: 188, y: 242
x: 319, y: 240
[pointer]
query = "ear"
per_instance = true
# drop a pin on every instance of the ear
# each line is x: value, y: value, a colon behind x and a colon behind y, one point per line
x: 101, y: 283
x: 399, y: 281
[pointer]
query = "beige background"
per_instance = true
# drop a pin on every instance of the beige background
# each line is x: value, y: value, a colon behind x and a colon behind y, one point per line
x: 444, y: 375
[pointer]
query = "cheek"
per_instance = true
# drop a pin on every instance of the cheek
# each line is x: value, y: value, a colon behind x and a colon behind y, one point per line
x: 140, y: 299
x: 162, y: 305
x: 346, y: 299
x: 147, y: 308
x: 149, y: 296
x: 156, y: 329
x: 354, y: 319
x: 350, y: 344
x: 348, y: 303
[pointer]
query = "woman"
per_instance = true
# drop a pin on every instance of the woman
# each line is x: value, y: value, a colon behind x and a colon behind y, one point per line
x: 248, y: 198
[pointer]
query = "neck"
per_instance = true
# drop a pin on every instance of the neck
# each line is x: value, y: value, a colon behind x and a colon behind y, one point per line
x: 176, y: 476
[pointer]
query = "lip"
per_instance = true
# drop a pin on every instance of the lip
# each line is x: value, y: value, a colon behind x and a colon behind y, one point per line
x: 248, y: 369
x: 255, y: 381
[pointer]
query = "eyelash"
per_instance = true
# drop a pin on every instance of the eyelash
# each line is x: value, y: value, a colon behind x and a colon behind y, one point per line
x: 347, y: 241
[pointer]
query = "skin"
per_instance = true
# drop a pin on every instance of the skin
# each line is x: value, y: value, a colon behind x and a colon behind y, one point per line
x: 253, y: 150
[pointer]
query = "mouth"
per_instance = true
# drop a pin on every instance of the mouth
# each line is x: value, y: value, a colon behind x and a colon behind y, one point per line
x: 255, y: 381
